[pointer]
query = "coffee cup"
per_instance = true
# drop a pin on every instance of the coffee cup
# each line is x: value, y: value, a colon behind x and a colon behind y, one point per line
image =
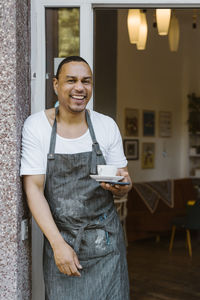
x: 107, y: 170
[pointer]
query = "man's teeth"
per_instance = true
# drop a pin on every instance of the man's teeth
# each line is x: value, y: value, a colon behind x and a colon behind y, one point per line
x: 78, y: 97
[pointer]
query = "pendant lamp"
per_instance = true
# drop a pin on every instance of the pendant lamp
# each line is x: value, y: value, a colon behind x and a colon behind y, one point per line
x: 133, y: 23
x: 163, y: 20
x: 141, y: 44
x: 174, y: 34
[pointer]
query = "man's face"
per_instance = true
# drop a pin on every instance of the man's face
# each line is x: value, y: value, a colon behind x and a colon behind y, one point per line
x: 74, y: 86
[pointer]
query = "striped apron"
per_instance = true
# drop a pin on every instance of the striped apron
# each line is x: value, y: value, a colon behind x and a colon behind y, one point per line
x: 87, y: 219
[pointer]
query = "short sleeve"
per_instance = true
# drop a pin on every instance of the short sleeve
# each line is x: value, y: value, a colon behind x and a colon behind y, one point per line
x: 115, y: 152
x: 32, y: 156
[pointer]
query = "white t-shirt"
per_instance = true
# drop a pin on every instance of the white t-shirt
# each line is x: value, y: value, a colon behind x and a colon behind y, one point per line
x: 36, y: 139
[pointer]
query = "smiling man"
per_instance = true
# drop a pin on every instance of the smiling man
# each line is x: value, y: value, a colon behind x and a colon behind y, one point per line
x: 84, y: 251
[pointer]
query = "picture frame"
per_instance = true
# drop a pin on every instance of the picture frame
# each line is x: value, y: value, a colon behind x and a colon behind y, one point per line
x: 165, y: 123
x: 148, y: 155
x: 148, y: 123
x: 131, y: 122
x: 131, y: 149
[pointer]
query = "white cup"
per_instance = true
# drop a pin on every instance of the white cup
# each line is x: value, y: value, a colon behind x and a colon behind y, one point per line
x: 106, y: 170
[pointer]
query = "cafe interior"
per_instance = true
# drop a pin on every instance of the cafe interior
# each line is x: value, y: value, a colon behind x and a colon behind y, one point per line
x: 147, y: 79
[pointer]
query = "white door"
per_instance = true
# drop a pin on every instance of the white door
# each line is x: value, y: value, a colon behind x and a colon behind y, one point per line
x: 39, y: 76
x: 38, y: 70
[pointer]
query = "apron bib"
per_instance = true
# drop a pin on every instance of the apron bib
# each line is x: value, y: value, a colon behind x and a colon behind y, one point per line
x: 86, y: 216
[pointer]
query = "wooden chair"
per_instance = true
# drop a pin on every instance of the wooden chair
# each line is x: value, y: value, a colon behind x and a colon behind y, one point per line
x: 121, y: 206
x: 189, y: 222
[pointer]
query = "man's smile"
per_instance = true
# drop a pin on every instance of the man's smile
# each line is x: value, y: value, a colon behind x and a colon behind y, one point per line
x: 78, y: 97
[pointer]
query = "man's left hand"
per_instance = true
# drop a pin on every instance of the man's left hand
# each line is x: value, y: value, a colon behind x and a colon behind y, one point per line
x: 119, y: 190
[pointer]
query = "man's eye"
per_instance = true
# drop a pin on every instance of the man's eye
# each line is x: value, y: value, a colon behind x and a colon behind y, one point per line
x: 86, y: 81
x: 70, y: 80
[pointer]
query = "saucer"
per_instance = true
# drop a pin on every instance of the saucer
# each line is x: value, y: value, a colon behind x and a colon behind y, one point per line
x: 106, y: 178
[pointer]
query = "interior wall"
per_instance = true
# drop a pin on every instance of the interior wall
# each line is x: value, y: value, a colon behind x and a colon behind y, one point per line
x: 190, y: 45
x: 157, y: 79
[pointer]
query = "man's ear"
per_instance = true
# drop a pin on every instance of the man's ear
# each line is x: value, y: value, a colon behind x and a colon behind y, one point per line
x: 55, y: 85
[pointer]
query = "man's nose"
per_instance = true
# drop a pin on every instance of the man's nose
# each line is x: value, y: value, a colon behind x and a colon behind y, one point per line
x: 79, y: 86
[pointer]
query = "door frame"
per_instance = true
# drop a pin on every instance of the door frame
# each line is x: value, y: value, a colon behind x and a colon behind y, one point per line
x: 38, y: 75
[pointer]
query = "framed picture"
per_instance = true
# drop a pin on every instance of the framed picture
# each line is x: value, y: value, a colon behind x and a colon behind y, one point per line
x: 148, y: 155
x: 165, y: 123
x: 131, y: 122
x: 148, y: 123
x: 131, y: 149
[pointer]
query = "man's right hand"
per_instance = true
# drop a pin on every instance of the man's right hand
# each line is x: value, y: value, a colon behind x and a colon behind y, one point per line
x: 66, y: 259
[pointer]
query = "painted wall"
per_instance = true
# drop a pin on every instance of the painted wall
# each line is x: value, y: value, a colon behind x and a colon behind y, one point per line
x: 190, y: 77
x: 157, y: 79
x: 15, y: 262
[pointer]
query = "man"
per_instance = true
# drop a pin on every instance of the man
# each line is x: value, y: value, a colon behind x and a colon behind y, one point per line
x: 84, y: 253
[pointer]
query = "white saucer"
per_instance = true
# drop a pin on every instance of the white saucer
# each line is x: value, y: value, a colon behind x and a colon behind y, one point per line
x: 106, y: 178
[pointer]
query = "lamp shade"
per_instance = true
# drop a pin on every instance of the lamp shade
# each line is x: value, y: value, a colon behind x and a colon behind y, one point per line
x: 133, y: 23
x: 141, y: 44
x: 163, y: 20
x: 174, y: 34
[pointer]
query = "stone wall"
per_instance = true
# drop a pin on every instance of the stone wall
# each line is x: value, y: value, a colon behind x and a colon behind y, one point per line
x: 15, y: 255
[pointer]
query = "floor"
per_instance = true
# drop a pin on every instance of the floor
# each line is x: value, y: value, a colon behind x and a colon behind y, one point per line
x: 157, y: 275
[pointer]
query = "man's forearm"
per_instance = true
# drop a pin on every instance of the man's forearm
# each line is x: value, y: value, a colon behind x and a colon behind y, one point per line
x: 41, y: 212
x: 64, y: 255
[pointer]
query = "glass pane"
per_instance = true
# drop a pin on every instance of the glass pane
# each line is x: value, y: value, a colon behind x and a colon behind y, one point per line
x: 68, y: 32
x: 62, y: 39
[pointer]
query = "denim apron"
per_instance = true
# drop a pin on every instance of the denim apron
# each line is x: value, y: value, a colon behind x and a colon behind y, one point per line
x: 87, y: 219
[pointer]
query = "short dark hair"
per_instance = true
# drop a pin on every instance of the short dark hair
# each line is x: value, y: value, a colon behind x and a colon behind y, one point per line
x: 67, y: 60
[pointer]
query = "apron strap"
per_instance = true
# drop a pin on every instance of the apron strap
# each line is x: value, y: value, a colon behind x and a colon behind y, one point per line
x: 53, y: 138
x: 96, y: 151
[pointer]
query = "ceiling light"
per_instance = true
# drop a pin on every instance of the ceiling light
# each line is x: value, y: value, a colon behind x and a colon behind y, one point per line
x: 163, y: 20
x: 141, y: 44
x: 133, y: 23
x: 174, y: 34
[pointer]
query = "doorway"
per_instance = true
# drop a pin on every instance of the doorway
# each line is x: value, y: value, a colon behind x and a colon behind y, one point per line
x: 152, y: 81
x: 43, y: 74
